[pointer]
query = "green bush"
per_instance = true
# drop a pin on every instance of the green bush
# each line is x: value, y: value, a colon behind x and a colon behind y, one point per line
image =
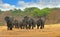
x: 32, y: 12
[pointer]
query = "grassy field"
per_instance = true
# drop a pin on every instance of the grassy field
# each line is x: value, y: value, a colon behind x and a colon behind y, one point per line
x: 48, y: 31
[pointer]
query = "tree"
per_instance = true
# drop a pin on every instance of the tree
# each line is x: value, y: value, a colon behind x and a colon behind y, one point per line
x: 32, y: 11
x: 45, y: 11
x: 35, y: 12
x: 0, y: 11
x: 16, y: 12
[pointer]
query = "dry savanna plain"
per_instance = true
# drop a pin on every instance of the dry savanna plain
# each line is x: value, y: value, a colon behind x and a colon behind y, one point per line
x: 52, y: 30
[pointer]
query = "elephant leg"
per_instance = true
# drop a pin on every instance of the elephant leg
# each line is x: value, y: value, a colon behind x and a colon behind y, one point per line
x: 8, y: 27
x: 41, y: 27
x: 32, y: 27
x: 26, y: 27
x: 15, y: 26
x: 11, y: 28
x: 37, y: 26
x: 21, y: 27
x: 29, y: 26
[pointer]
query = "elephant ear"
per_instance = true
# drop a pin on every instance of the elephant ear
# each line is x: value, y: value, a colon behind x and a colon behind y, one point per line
x: 6, y: 18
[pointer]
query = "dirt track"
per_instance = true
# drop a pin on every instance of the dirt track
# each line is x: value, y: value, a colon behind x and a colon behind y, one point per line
x: 48, y: 31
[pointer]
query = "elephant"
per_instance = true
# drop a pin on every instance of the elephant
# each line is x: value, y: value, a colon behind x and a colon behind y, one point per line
x: 31, y: 23
x: 16, y: 24
x: 40, y: 23
x: 9, y: 21
x: 25, y: 22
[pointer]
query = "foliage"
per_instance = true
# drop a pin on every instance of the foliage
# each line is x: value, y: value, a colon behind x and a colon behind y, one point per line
x: 16, y: 12
x: 0, y: 11
x: 31, y: 12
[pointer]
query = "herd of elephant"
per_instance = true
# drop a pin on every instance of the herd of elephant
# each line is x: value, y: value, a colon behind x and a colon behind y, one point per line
x: 25, y: 23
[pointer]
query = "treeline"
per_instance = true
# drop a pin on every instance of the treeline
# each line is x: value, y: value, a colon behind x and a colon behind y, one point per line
x: 31, y: 12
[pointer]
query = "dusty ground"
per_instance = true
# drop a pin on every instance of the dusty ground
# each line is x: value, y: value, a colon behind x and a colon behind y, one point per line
x: 48, y: 31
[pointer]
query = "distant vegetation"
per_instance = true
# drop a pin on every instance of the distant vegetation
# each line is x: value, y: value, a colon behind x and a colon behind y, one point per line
x: 31, y: 12
x: 0, y: 10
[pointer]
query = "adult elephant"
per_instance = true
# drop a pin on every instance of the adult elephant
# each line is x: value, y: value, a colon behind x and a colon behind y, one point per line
x: 40, y: 23
x: 25, y: 22
x: 31, y: 23
x: 16, y: 23
x: 21, y: 24
x: 9, y: 21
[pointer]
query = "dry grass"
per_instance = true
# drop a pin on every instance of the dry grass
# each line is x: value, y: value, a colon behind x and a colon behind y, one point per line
x: 48, y: 31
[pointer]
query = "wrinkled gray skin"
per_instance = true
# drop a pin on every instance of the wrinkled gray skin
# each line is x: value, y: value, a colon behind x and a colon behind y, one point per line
x: 40, y: 23
x: 31, y: 23
x: 16, y: 25
x: 25, y: 22
x: 9, y: 21
x: 20, y: 24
